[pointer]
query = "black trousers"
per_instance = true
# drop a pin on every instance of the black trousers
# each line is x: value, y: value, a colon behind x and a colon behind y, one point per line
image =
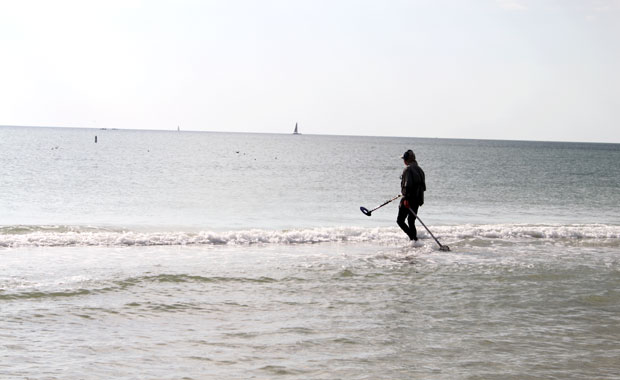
x: 403, y: 213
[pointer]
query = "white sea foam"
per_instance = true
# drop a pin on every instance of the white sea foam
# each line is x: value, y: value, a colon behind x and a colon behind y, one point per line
x: 62, y: 236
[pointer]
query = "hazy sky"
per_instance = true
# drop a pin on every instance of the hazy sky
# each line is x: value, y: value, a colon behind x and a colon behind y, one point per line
x: 512, y: 69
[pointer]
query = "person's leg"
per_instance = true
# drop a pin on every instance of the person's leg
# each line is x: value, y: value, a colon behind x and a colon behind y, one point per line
x: 413, y: 233
x: 402, y: 215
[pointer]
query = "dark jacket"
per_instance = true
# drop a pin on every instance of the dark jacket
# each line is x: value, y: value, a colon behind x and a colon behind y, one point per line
x: 413, y: 184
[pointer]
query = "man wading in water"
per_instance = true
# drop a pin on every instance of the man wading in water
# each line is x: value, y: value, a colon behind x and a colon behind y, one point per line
x: 412, y: 184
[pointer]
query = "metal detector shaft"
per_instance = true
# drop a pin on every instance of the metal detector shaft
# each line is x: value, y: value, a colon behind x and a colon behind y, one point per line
x: 386, y: 202
x: 441, y: 247
x: 368, y: 212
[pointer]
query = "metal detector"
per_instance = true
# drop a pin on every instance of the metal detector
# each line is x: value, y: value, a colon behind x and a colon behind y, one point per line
x: 368, y: 212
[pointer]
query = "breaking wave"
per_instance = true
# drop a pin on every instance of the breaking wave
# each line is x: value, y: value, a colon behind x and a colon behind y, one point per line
x: 76, y: 236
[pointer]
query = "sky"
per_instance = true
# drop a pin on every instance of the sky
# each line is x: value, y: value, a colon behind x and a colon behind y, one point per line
x: 485, y: 69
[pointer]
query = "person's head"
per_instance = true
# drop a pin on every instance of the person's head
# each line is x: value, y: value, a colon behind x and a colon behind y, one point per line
x: 408, y: 157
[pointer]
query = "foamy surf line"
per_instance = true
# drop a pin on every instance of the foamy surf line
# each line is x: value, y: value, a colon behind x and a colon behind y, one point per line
x: 76, y: 236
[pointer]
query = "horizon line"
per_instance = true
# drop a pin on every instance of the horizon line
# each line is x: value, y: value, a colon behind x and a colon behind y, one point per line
x: 304, y: 134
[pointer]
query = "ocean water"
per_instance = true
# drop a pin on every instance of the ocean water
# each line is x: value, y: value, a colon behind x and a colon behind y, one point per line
x: 187, y: 255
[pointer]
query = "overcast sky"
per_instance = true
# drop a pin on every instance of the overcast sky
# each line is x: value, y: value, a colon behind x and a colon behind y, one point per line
x: 490, y: 69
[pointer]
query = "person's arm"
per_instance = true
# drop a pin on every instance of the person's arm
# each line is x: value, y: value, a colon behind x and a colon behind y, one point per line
x: 407, y: 187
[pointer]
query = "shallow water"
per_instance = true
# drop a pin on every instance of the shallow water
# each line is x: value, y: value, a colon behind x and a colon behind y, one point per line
x: 206, y: 256
x: 328, y: 310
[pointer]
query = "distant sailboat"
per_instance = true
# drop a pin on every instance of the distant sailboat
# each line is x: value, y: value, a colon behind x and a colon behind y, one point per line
x: 296, y: 132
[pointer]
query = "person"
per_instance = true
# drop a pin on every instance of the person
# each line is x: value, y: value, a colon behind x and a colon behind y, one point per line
x: 413, y: 186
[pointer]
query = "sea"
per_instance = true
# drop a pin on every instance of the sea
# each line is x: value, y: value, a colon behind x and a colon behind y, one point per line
x: 135, y: 254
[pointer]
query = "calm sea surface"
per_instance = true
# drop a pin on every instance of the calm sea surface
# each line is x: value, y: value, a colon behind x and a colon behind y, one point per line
x: 186, y: 255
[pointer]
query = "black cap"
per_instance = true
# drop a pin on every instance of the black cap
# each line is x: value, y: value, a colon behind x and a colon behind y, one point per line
x: 408, y: 155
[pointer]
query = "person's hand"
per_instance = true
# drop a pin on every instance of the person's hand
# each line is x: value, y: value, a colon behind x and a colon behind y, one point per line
x: 406, y: 203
